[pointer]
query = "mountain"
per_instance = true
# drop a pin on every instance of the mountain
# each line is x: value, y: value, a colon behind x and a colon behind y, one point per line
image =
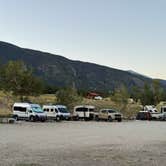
x: 136, y: 73
x: 62, y: 72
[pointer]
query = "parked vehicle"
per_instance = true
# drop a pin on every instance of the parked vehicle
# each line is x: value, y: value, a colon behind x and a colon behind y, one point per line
x: 98, y: 98
x: 86, y: 112
x: 144, y: 115
x: 27, y: 111
x: 162, y: 113
x: 155, y: 115
x: 109, y: 115
x: 57, y: 112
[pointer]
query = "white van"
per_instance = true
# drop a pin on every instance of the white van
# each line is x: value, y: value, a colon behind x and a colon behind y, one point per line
x: 27, y: 111
x: 86, y: 112
x: 57, y: 112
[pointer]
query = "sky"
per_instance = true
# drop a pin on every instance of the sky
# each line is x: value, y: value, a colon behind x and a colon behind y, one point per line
x: 123, y: 34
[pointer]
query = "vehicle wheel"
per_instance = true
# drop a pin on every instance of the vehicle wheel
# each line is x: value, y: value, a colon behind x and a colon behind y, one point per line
x: 68, y: 119
x: 76, y: 118
x: 32, y: 118
x: 15, y: 117
x: 119, y: 120
x: 43, y: 120
x: 110, y: 119
x: 96, y: 118
x: 86, y: 119
x: 58, y: 118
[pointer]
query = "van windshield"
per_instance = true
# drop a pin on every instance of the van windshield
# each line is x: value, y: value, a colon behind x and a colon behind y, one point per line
x: 63, y: 110
x: 112, y: 111
x: 37, y: 109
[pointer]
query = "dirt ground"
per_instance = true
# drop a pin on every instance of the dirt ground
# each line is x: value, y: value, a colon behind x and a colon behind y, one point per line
x: 134, y: 143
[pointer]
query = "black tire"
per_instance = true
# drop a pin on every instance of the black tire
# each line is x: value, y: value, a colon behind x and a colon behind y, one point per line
x: 58, y: 118
x: 32, y: 119
x: 96, y: 118
x: 119, y: 120
x: 15, y: 117
x: 43, y: 120
x: 86, y: 119
x: 76, y: 118
x: 110, y: 119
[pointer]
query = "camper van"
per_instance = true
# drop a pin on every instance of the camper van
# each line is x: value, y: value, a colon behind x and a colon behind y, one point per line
x: 28, y: 111
x: 56, y: 112
x: 86, y: 112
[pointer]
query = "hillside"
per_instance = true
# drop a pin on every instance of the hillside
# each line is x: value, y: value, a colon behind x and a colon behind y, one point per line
x: 61, y: 72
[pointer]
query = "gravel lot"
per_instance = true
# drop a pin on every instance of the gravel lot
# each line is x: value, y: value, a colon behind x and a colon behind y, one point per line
x: 133, y: 143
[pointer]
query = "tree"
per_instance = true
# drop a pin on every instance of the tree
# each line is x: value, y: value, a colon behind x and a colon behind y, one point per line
x: 136, y: 93
x: 121, y: 96
x: 68, y: 97
x: 16, y: 78
x: 157, y: 91
x: 147, y: 95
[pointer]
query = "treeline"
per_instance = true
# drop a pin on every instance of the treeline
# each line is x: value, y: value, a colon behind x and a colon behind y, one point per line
x: 18, y: 79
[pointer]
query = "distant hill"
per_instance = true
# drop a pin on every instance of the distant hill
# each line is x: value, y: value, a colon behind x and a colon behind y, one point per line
x: 136, y: 73
x: 62, y: 72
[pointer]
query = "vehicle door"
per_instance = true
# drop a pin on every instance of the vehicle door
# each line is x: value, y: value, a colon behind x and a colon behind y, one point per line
x: 56, y: 112
x: 23, y: 112
x: 47, y: 111
x: 103, y: 114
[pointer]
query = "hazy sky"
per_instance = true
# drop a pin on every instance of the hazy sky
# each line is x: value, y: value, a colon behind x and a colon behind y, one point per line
x: 124, y: 34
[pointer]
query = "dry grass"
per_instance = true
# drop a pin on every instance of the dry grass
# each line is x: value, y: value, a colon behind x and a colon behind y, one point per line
x: 44, y: 99
x: 7, y: 100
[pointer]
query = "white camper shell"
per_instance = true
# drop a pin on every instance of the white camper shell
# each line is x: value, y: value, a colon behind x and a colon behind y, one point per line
x: 28, y: 111
x: 57, y: 112
x: 154, y: 113
x: 86, y: 112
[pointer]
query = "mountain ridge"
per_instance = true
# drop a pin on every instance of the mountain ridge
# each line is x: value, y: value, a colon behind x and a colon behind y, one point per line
x: 59, y: 71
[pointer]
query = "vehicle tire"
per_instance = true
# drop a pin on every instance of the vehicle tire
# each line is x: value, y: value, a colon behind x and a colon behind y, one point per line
x: 32, y: 119
x: 58, y: 118
x: 96, y: 118
x: 119, y: 120
x: 15, y: 117
x: 86, y: 119
x: 68, y: 118
x: 76, y: 118
x: 110, y: 119
x: 43, y: 120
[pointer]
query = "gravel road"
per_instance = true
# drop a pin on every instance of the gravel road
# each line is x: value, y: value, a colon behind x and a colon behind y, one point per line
x: 134, y: 143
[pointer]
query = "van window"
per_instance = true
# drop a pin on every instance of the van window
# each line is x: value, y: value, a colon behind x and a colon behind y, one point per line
x: 112, y: 111
x: 82, y: 109
x: 163, y: 109
x: 21, y: 109
x: 37, y: 109
x: 91, y: 110
x: 63, y: 110
x: 56, y: 110
x: 52, y: 110
x: 104, y: 111
x: 46, y: 110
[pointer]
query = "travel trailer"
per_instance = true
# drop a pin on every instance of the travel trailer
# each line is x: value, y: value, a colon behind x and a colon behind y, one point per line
x: 28, y: 111
x: 86, y: 112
